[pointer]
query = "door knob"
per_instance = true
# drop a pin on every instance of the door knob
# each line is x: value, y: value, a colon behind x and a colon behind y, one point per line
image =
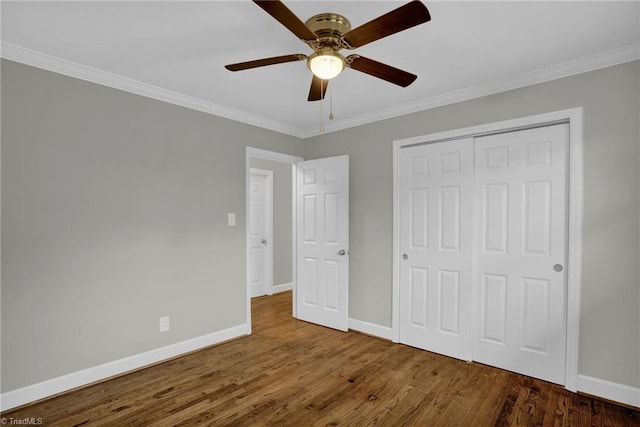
x: 342, y: 252
x: 405, y: 256
x: 558, y: 268
x: 264, y: 241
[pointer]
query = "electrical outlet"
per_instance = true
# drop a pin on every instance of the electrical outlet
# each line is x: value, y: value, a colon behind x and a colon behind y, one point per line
x: 164, y: 324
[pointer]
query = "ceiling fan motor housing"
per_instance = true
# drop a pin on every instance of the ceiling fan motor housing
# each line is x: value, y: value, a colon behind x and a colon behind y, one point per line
x: 329, y: 27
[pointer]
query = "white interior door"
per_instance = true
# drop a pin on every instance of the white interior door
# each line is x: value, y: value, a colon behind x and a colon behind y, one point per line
x: 322, y: 197
x: 520, y: 283
x: 436, y: 182
x: 261, y: 232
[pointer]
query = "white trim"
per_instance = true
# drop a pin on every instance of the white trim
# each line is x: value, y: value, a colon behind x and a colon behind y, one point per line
x: 574, y: 247
x: 62, y: 66
x: 575, y: 214
x: 294, y: 237
x: 267, y: 283
x: 395, y: 267
x: 370, y: 329
x: 520, y: 122
x: 282, y: 287
x: 31, y: 393
x: 48, y: 62
x: 609, y: 390
x: 257, y: 153
x: 272, y: 155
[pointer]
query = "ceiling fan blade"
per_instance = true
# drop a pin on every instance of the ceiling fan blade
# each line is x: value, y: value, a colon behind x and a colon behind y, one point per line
x: 380, y: 70
x: 286, y: 17
x: 400, y: 19
x: 265, y: 61
x: 318, y: 89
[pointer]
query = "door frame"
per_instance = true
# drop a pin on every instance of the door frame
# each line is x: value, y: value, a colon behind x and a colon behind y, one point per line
x: 258, y: 153
x: 267, y: 268
x: 575, y: 185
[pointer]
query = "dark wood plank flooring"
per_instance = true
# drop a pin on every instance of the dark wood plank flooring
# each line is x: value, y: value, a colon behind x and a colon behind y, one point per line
x: 292, y: 373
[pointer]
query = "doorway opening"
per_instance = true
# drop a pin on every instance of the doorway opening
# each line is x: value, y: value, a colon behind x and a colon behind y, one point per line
x: 280, y: 268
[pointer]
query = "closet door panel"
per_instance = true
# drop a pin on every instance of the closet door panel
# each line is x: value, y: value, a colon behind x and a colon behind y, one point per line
x: 436, y: 182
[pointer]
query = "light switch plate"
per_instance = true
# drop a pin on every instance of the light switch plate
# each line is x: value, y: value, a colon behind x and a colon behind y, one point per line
x: 231, y: 219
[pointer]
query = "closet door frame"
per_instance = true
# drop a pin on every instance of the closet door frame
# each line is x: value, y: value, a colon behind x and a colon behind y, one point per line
x: 575, y: 184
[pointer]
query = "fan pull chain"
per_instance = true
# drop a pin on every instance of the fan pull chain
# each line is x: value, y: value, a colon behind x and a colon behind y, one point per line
x: 321, y: 105
x: 331, y: 103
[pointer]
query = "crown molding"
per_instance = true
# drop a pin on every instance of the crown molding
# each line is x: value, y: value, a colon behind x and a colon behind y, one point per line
x: 48, y: 62
x: 566, y: 69
x: 51, y: 63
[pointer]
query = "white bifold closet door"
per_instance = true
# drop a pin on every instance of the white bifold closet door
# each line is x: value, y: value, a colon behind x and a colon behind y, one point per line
x: 521, y: 201
x: 436, y: 182
x: 483, y: 226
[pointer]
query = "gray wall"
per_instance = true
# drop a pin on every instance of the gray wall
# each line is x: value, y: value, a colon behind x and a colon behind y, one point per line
x: 114, y: 211
x: 282, y: 228
x: 610, y: 323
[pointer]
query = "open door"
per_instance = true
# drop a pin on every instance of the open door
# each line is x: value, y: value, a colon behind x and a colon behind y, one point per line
x: 322, y: 243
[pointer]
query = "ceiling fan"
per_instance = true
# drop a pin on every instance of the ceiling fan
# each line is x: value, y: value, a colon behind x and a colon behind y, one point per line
x: 328, y: 33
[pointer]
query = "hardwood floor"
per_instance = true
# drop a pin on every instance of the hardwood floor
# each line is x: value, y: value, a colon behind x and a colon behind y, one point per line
x: 292, y: 373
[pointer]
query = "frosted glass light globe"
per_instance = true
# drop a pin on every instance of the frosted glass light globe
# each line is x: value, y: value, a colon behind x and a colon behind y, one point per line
x: 326, y: 65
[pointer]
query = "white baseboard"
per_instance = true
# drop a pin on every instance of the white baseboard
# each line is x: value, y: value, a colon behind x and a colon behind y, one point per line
x: 608, y: 390
x: 31, y: 393
x: 283, y: 287
x: 370, y: 329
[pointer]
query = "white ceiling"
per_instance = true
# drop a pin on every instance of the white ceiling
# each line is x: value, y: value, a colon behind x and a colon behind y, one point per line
x: 176, y: 51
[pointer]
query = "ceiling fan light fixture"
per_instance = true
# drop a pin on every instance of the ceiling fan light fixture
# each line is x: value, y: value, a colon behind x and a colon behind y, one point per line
x: 326, y: 63
x: 328, y: 33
